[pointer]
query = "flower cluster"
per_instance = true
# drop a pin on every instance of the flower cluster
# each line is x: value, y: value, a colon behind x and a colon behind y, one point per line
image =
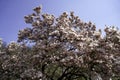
x: 13, y: 46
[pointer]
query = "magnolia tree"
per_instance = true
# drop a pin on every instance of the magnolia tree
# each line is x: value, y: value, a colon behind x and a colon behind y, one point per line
x: 63, y: 48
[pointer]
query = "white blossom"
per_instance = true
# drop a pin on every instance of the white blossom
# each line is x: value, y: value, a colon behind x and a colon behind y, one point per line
x: 13, y: 46
x: 111, y: 44
x: 93, y: 44
x: 97, y: 33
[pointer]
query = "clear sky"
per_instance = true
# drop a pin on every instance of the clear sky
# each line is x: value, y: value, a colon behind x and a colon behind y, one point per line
x: 100, y: 12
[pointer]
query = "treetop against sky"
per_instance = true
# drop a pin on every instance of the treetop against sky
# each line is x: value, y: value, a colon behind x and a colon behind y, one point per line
x: 103, y: 12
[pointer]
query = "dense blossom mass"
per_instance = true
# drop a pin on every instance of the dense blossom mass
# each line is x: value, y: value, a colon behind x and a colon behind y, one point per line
x: 63, y: 48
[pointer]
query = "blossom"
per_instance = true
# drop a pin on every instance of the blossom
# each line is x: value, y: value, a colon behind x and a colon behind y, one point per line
x: 93, y: 44
x: 38, y: 9
x: 111, y: 44
x: 48, y: 19
x: 54, y: 32
x: 13, y: 46
x: 97, y: 33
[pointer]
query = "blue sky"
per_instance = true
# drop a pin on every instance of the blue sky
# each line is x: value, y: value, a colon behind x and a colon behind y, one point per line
x: 100, y: 12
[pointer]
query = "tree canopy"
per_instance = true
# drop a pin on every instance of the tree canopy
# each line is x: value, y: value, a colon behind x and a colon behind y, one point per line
x: 63, y: 48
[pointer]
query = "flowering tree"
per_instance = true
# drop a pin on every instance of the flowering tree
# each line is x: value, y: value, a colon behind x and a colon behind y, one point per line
x: 63, y: 48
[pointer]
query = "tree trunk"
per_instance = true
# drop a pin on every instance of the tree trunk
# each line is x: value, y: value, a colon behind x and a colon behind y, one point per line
x: 95, y: 76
